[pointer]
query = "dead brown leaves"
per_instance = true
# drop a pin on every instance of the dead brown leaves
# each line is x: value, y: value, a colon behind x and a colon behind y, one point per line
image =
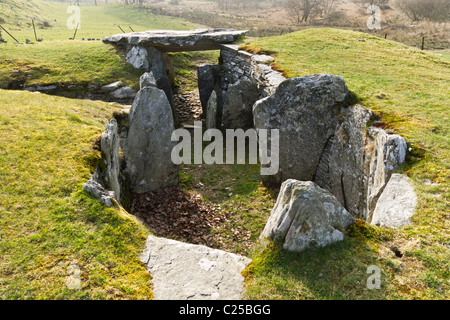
x: 174, y: 214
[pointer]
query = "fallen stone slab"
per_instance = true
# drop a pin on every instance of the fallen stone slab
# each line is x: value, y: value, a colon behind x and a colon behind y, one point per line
x: 396, y: 204
x: 123, y: 93
x: 112, y: 86
x: 173, y: 41
x: 183, y: 271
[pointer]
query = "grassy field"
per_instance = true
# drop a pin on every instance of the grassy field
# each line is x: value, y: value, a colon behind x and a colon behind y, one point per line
x: 47, y: 222
x: 408, y: 89
x: 95, y: 21
x: 58, y: 60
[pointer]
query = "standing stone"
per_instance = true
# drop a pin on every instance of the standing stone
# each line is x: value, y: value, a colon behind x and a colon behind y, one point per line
x: 208, y: 78
x: 110, y: 148
x: 306, y: 216
x: 149, y: 145
x: 396, y: 204
x: 346, y: 176
x: 211, y: 111
x: 138, y: 58
x: 238, y: 104
x: 306, y: 110
x: 147, y: 80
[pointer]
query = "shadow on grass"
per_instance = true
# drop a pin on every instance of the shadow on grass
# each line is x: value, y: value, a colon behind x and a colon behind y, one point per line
x: 339, y: 271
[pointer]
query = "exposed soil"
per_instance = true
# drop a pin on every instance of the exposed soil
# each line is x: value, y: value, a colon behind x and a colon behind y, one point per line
x: 172, y: 213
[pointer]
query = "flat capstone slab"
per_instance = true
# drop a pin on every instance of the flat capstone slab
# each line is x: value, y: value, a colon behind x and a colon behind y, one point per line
x: 174, y: 41
x: 183, y: 271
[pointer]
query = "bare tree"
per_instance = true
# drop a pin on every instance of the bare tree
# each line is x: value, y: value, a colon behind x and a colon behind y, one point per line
x: 303, y: 10
x: 366, y: 3
x: 434, y: 10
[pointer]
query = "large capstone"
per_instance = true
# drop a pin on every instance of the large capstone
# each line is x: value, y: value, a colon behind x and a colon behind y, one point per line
x: 306, y: 216
x: 171, y: 40
x: 149, y: 145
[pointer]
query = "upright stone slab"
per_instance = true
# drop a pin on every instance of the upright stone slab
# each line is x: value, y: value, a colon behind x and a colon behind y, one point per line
x: 110, y: 148
x: 208, y: 79
x: 387, y: 154
x: 342, y: 168
x: 147, y: 80
x: 211, y: 112
x: 306, y: 216
x: 138, y: 58
x: 149, y: 145
x: 238, y: 103
x: 306, y: 110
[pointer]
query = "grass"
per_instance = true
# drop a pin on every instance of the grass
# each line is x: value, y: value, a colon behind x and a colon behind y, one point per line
x: 47, y: 222
x: 78, y: 63
x: 66, y: 63
x: 185, y: 65
x: 95, y: 21
x: 408, y: 89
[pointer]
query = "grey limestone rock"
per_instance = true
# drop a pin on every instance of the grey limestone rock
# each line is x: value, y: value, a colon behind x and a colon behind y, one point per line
x: 183, y: 271
x: 238, y: 104
x: 96, y: 190
x: 171, y: 40
x: 110, y: 148
x: 306, y: 110
x: 306, y: 216
x: 149, y: 145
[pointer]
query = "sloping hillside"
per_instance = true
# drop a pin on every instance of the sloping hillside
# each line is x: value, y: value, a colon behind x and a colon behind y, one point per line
x: 19, y: 13
x: 408, y: 89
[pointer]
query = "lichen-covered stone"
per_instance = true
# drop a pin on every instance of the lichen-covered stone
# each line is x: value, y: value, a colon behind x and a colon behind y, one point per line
x: 96, y: 190
x: 183, y: 271
x: 149, y: 145
x: 237, y: 112
x: 211, y: 111
x: 110, y: 148
x: 306, y: 216
x: 170, y: 40
x: 306, y: 110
